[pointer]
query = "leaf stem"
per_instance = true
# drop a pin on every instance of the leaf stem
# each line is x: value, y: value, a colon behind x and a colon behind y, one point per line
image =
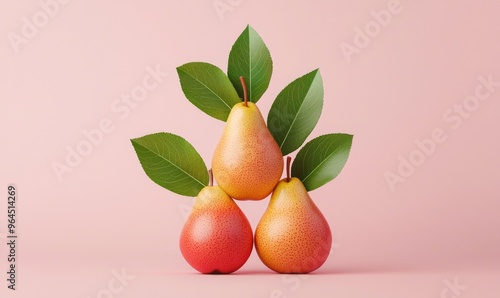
x: 245, y: 93
x: 288, y: 162
x: 210, y: 178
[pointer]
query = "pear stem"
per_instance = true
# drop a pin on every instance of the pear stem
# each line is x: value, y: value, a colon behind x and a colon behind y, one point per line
x: 245, y: 93
x: 210, y: 178
x: 288, y: 162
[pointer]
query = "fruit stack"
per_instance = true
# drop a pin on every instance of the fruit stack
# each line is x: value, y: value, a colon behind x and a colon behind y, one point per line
x: 292, y: 236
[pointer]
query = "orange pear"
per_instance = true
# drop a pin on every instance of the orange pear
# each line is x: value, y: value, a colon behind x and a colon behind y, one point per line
x: 292, y: 236
x: 247, y: 162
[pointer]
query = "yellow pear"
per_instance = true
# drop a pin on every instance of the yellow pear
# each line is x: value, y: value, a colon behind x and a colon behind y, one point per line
x: 292, y: 236
x: 247, y: 163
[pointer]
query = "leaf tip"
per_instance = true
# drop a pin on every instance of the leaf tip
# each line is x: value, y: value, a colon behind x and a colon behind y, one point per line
x: 349, y: 137
x: 179, y: 70
x: 134, y: 141
x: 316, y: 72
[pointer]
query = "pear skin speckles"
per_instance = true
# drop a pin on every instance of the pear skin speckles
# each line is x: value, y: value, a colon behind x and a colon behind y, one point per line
x: 217, y: 236
x: 292, y: 236
x: 247, y: 163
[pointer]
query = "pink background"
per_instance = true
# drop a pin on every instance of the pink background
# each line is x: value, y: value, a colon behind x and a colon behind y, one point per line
x: 441, y: 223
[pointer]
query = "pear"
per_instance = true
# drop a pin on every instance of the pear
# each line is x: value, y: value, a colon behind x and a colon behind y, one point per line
x: 292, y: 236
x: 217, y: 236
x: 247, y: 162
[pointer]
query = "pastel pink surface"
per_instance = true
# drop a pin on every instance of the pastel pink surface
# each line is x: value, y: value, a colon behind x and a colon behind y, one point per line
x: 440, y: 223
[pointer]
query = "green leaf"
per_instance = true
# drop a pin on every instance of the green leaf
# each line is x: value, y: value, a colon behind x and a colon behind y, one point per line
x: 321, y: 159
x: 208, y: 88
x: 171, y: 162
x: 296, y: 111
x: 250, y: 58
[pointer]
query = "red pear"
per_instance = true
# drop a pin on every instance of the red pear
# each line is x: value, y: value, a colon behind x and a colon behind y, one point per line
x: 217, y: 237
